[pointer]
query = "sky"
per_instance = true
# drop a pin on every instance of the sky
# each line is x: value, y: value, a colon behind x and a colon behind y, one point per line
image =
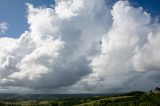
x: 14, y: 12
x: 79, y: 46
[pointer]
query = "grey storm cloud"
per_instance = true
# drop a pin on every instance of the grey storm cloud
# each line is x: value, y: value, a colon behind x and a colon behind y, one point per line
x: 82, y: 46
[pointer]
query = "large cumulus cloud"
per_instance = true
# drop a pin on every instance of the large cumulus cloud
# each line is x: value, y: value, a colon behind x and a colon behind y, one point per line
x: 82, y: 46
x: 129, y: 56
x: 53, y: 53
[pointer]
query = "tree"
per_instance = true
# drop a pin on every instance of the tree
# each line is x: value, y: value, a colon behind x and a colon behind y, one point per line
x: 2, y: 104
x: 157, y: 89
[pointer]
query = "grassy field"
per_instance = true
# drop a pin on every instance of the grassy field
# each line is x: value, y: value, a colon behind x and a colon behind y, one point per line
x: 146, y: 99
x: 127, y: 99
x: 98, y: 102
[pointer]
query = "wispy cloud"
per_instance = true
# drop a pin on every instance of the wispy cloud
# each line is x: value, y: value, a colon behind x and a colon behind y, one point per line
x: 3, y: 27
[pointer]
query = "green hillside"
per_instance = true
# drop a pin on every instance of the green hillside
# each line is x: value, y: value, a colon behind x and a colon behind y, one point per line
x: 146, y: 99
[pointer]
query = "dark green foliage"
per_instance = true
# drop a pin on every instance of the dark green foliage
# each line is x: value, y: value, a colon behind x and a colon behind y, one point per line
x: 2, y: 104
x: 147, y: 99
x: 157, y: 89
x: 129, y: 99
x: 54, y: 104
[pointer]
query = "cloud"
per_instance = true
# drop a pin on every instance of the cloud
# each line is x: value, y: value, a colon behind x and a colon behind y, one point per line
x: 128, y: 48
x: 54, y: 52
x: 82, y: 46
x: 3, y: 27
x: 68, y: 8
x: 147, y: 58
